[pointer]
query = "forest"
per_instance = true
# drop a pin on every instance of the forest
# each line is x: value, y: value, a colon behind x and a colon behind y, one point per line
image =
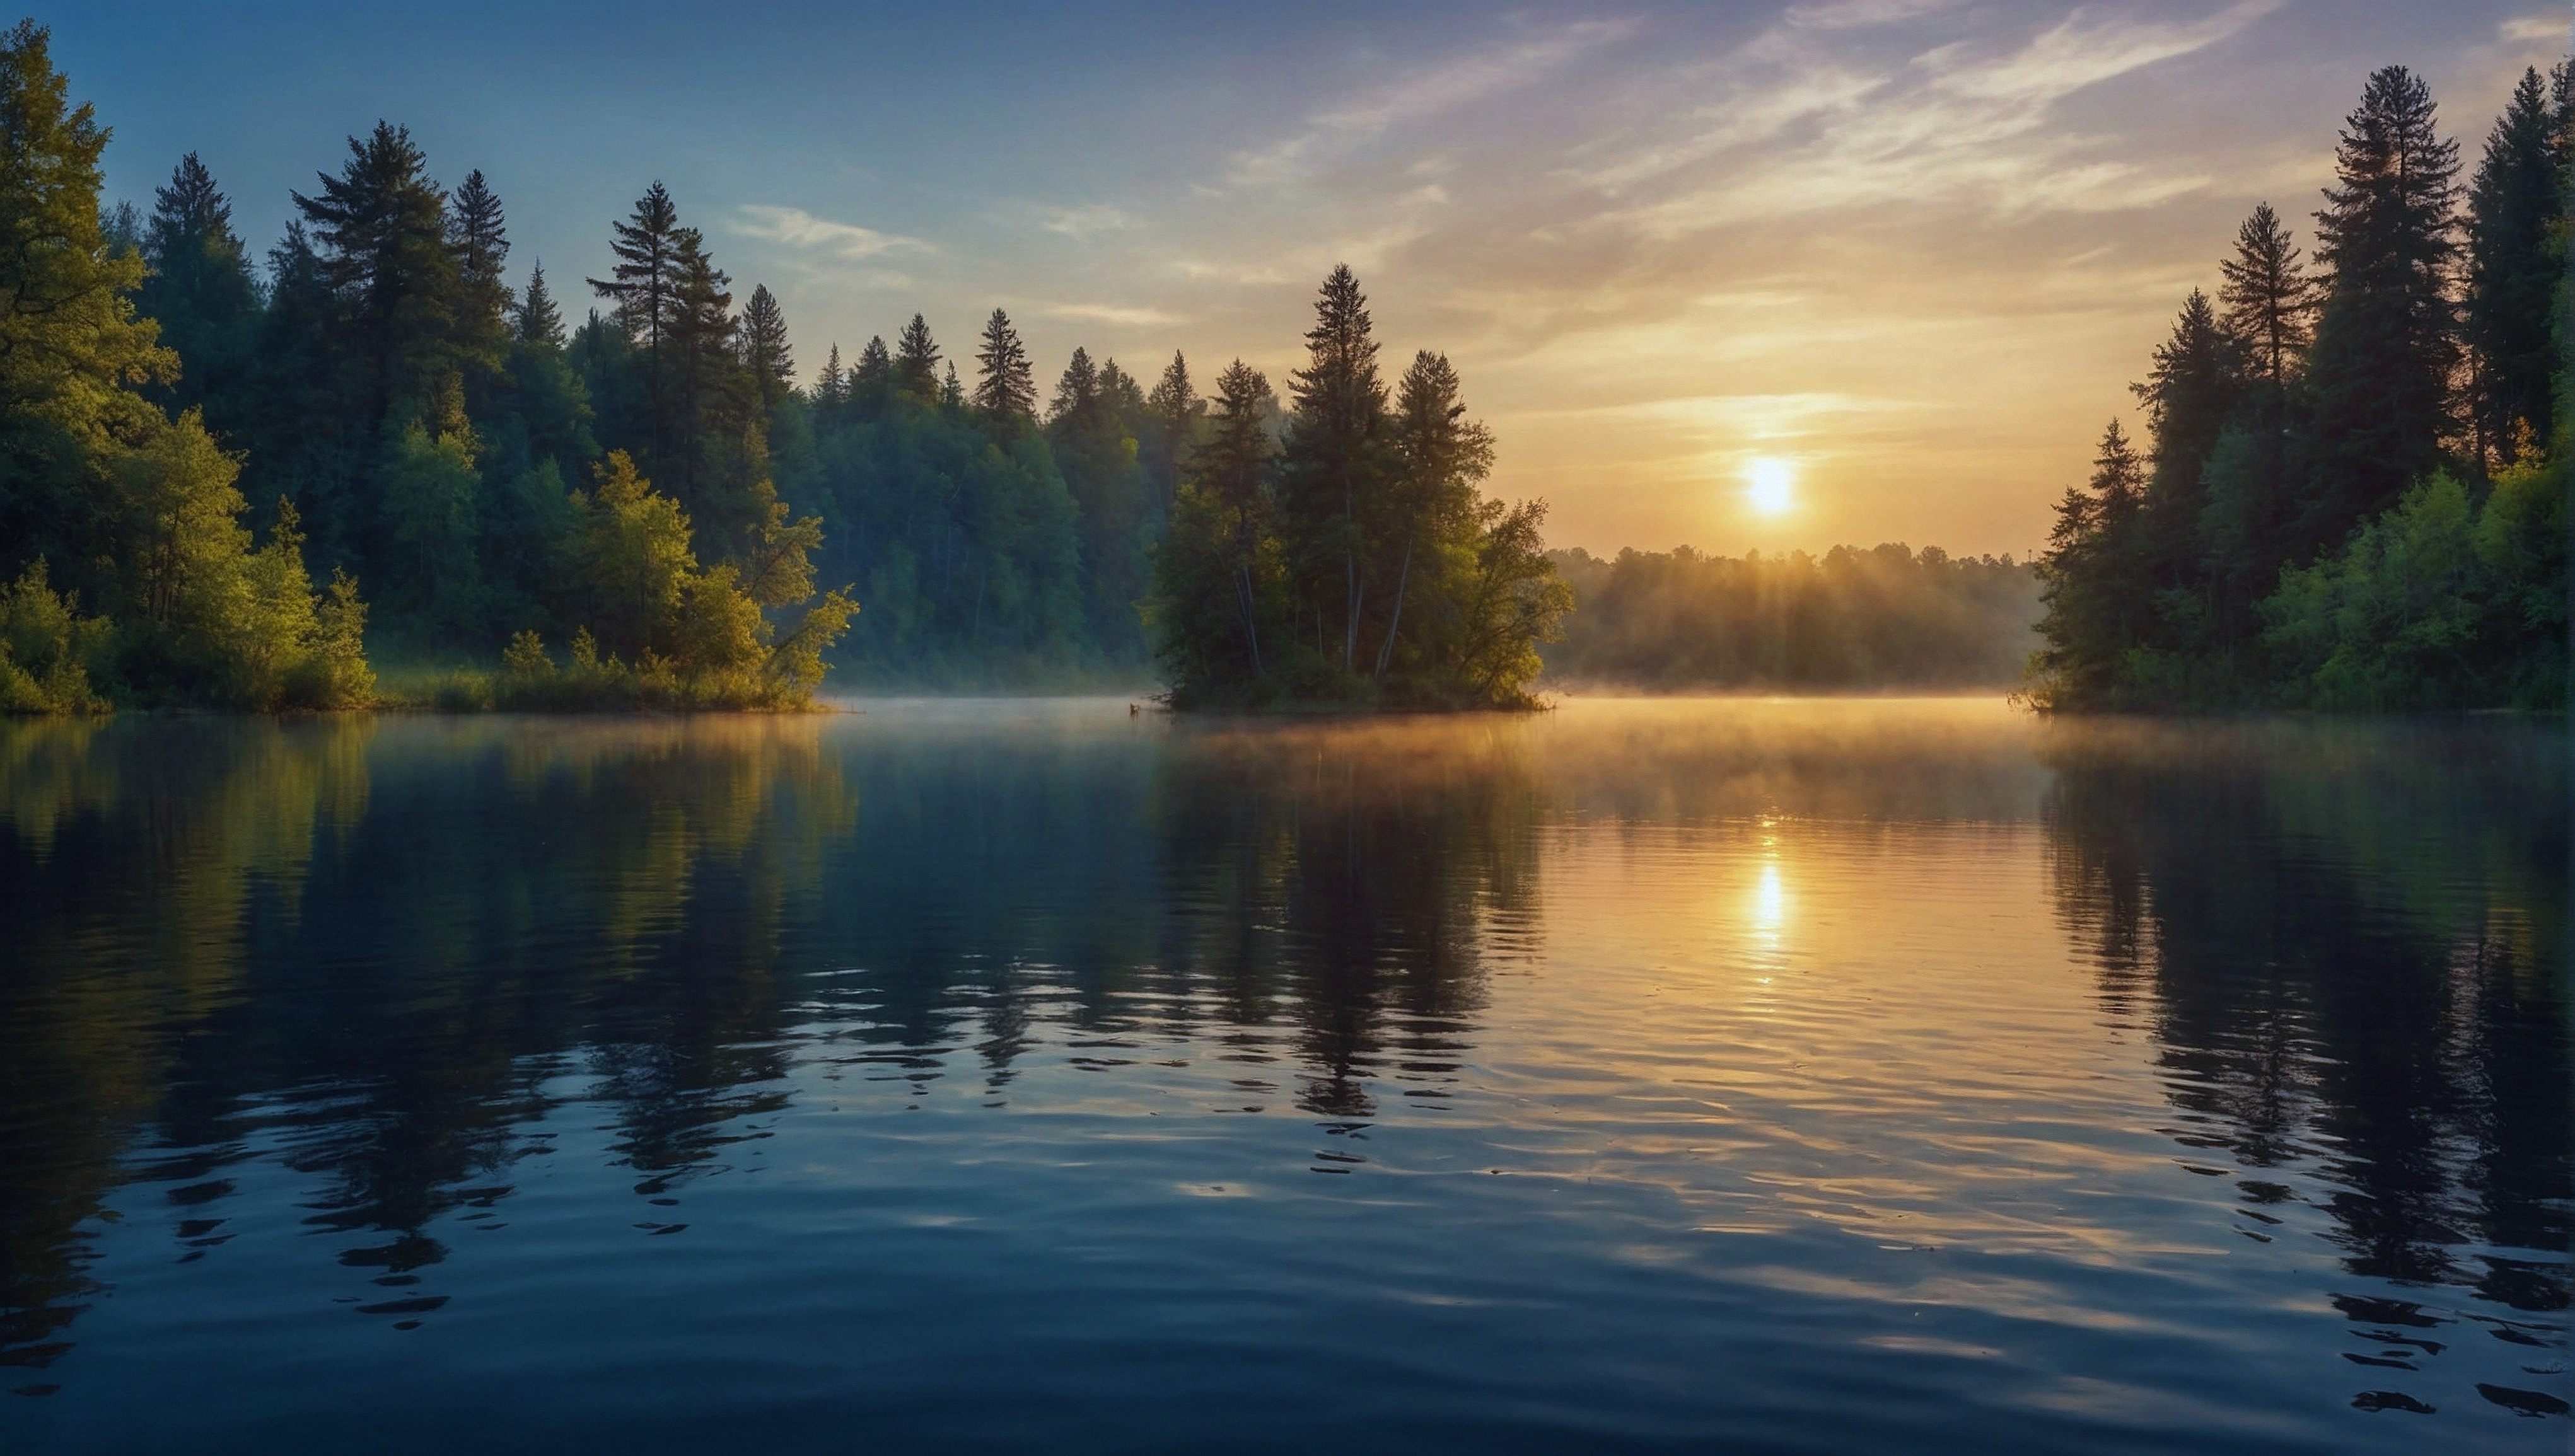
x: 229, y: 485
x: 2352, y: 495
x: 1850, y: 619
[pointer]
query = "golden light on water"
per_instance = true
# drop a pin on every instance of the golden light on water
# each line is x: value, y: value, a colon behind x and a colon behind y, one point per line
x: 1769, y: 901
x: 1770, y: 485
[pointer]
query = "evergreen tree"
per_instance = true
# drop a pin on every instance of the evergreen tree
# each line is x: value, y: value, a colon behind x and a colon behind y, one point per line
x: 1335, y: 465
x: 1007, y: 388
x: 2515, y: 201
x: 477, y: 234
x: 644, y: 287
x: 764, y: 349
x: 872, y: 380
x: 2091, y: 582
x: 201, y: 293
x: 1217, y: 579
x: 381, y: 233
x: 2385, y: 348
x: 2191, y: 395
x: 536, y: 321
x: 952, y: 390
x: 915, y: 363
x: 2268, y: 305
x: 1170, y: 429
x: 832, y: 388
x: 1076, y: 390
x: 1433, y: 507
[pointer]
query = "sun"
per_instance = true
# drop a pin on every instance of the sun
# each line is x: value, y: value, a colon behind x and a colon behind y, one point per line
x: 1770, y: 485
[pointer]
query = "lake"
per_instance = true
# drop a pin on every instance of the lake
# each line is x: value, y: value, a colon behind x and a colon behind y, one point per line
x: 1798, y: 1075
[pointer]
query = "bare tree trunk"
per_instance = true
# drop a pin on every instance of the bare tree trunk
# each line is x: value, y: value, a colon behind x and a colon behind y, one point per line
x: 1386, y: 650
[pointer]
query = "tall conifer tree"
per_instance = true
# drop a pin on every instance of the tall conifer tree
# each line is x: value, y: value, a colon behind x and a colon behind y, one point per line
x: 2386, y: 342
x: 2515, y: 201
x: 1005, y: 388
x: 1335, y: 463
x: 201, y: 291
x: 765, y: 349
x: 915, y: 362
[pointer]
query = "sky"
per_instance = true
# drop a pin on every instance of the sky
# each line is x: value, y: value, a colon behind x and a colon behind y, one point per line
x: 1904, y: 256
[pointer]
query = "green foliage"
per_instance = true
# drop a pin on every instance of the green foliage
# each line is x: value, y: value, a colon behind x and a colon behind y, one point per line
x: 1887, y: 616
x: 2438, y: 601
x: 2371, y: 521
x: 1358, y: 564
x: 140, y: 512
x: 660, y: 631
x: 46, y: 649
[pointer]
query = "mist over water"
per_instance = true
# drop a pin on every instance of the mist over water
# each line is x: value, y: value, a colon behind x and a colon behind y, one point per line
x: 1769, y: 1075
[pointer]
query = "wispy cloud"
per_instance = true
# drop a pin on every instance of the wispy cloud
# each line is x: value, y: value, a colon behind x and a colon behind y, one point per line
x: 798, y: 228
x: 2536, y: 28
x: 1809, y: 130
x: 1420, y: 94
x: 1085, y: 222
x: 1119, y: 314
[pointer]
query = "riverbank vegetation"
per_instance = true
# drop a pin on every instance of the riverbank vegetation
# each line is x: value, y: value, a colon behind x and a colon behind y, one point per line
x: 2354, y: 492
x: 1850, y: 619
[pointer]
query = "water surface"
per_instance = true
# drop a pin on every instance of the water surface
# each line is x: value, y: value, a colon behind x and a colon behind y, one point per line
x: 1797, y: 1076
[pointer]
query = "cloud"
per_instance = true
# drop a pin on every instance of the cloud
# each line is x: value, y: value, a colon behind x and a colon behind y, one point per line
x: 2535, y: 28
x: 796, y: 228
x: 1118, y: 314
x: 1856, y: 14
x: 1808, y: 129
x: 1420, y: 94
x: 1086, y: 222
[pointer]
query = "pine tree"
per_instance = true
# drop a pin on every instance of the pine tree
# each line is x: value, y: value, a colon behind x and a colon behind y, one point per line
x: 381, y: 227
x: 952, y: 390
x: 645, y: 286
x: 1171, y: 419
x: 1007, y: 388
x: 2190, y: 394
x: 2096, y: 595
x: 647, y: 275
x: 2268, y: 303
x: 480, y: 238
x: 917, y: 361
x: 2385, y: 348
x: 1076, y: 390
x: 832, y: 388
x: 1444, y: 455
x: 1335, y: 465
x: 764, y: 349
x: 705, y: 373
x: 872, y: 380
x: 2515, y: 200
x: 201, y: 291
x: 536, y: 321
x: 1214, y: 578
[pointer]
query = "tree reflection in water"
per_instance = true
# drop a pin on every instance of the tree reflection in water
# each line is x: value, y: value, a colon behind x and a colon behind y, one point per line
x: 2348, y: 942
x: 363, y: 979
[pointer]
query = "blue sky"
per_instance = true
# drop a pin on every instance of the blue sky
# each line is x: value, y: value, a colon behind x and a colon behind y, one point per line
x: 1916, y: 248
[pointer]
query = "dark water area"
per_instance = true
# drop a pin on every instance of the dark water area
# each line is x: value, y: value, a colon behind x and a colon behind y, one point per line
x: 1744, y: 1076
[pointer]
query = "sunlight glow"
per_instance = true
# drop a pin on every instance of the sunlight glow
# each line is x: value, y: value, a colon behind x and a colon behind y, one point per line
x: 1770, y: 902
x: 1770, y: 485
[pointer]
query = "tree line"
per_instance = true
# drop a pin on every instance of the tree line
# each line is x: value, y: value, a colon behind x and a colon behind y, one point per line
x: 1887, y: 616
x: 601, y: 506
x: 2353, y: 490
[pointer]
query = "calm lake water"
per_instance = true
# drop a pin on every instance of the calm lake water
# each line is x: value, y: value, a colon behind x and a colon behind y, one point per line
x: 1748, y: 1076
